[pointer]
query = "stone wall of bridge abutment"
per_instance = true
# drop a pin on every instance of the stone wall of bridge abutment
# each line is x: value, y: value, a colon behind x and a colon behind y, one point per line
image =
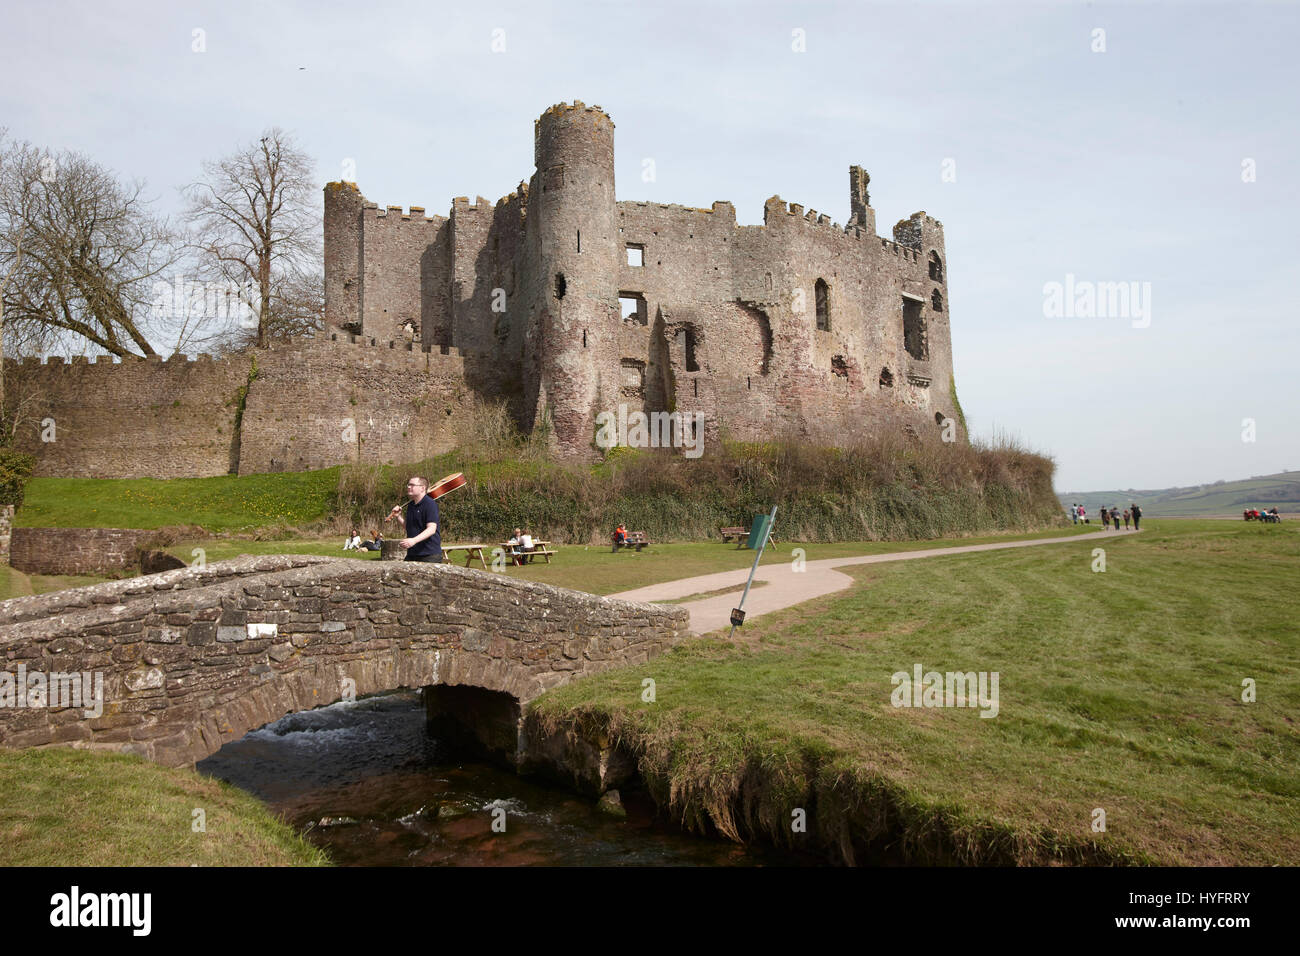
x: 194, y: 658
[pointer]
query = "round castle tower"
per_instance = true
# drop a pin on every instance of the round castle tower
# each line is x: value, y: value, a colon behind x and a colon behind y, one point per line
x: 571, y: 204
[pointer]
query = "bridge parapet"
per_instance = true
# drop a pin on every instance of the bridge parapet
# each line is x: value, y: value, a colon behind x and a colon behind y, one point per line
x: 192, y: 659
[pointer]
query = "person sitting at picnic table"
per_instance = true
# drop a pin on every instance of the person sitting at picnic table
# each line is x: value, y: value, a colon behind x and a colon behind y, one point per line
x: 353, y: 543
x: 515, y: 547
x: 526, y: 541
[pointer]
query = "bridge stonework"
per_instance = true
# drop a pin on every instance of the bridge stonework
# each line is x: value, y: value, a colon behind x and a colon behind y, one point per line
x: 194, y: 658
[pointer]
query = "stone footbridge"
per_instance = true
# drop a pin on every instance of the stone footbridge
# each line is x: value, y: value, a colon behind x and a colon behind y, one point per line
x: 193, y: 658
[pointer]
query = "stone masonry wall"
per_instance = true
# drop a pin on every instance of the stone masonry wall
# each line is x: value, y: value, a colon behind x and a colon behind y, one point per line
x: 75, y: 550
x: 318, y: 403
x: 192, y: 659
x: 130, y: 419
x: 6, y: 527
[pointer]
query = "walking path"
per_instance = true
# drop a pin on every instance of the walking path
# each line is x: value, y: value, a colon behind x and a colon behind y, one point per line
x: 787, y: 587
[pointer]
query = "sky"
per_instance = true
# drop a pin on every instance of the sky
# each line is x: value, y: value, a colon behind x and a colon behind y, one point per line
x: 1077, y: 144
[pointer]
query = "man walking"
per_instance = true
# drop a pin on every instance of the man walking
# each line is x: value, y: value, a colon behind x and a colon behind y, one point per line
x: 1137, y: 517
x: 422, y: 541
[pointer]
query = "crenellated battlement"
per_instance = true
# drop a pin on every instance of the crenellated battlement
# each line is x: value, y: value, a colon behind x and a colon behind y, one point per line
x: 347, y: 340
x: 398, y: 214
x: 577, y: 106
x: 106, y: 361
x: 795, y: 213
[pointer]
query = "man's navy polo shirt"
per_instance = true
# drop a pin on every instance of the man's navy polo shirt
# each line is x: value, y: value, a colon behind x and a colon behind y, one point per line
x: 418, y: 517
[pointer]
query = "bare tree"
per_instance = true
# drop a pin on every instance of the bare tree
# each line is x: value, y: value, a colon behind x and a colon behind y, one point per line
x: 79, y: 251
x: 257, y: 226
x: 17, y: 184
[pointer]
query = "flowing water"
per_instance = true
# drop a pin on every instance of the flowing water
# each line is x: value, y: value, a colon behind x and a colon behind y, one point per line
x: 365, y: 782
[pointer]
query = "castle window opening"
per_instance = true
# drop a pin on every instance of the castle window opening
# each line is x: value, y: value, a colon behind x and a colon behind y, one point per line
x: 821, y: 291
x: 695, y: 384
x: 584, y: 338
x: 692, y: 364
x: 886, y: 378
x: 579, y: 240
x: 839, y: 366
x: 939, y: 419
x: 632, y: 378
x: 936, y: 266
x: 559, y: 285
x: 914, y: 330
x: 635, y: 255
x: 632, y: 307
x: 936, y: 300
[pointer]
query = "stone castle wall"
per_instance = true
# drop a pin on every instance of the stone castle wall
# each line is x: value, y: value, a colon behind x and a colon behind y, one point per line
x: 309, y: 404
x: 130, y: 419
x: 519, y: 300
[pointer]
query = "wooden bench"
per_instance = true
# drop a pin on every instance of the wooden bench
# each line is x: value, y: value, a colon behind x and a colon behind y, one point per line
x: 518, y: 556
x: 472, y: 551
x: 635, y: 539
x: 742, y: 535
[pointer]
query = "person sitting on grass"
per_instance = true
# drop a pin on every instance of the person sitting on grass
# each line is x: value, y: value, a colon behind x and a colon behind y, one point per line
x: 353, y: 542
x: 376, y: 542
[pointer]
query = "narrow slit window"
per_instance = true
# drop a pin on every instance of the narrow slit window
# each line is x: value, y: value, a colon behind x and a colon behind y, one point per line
x: 692, y: 363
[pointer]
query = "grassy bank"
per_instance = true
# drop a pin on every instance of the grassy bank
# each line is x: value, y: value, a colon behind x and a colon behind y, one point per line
x: 886, y: 490
x: 1119, y: 691
x: 63, y: 807
x: 221, y: 503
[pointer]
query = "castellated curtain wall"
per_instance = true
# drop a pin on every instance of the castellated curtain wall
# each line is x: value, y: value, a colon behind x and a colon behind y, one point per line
x: 311, y: 404
x: 559, y: 300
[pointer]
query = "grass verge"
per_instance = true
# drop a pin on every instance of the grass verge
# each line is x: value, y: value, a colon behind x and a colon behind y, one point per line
x: 65, y: 807
x: 1120, y: 691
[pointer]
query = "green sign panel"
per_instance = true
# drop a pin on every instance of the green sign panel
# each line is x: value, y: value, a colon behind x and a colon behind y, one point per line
x: 758, y: 531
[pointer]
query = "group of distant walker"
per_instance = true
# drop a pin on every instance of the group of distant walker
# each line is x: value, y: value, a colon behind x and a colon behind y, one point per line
x: 1254, y: 514
x: 1108, y: 515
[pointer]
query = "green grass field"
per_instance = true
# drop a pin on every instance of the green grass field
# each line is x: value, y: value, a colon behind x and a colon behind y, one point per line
x: 584, y: 568
x: 1119, y: 691
x: 222, y: 503
x: 63, y: 807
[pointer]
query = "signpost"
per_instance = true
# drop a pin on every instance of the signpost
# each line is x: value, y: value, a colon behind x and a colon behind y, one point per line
x: 759, y: 532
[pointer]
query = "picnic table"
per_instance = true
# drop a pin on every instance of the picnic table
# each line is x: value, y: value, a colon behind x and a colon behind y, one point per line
x: 518, y: 556
x: 472, y: 551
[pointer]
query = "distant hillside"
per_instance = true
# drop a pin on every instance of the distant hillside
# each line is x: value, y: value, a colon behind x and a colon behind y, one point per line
x: 1222, y: 497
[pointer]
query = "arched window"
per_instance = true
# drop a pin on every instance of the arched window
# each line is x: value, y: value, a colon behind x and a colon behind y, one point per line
x: 936, y: 266
x: 822, y: 294
x: 936, y: 301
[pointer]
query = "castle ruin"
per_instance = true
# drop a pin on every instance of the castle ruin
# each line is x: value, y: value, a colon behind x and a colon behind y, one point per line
x: 559, y: 300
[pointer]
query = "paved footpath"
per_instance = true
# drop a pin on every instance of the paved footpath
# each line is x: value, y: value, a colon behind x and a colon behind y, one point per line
x: 786, y: 587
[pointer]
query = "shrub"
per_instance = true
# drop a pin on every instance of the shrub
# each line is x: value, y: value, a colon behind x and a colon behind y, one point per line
x: 15, y: 469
